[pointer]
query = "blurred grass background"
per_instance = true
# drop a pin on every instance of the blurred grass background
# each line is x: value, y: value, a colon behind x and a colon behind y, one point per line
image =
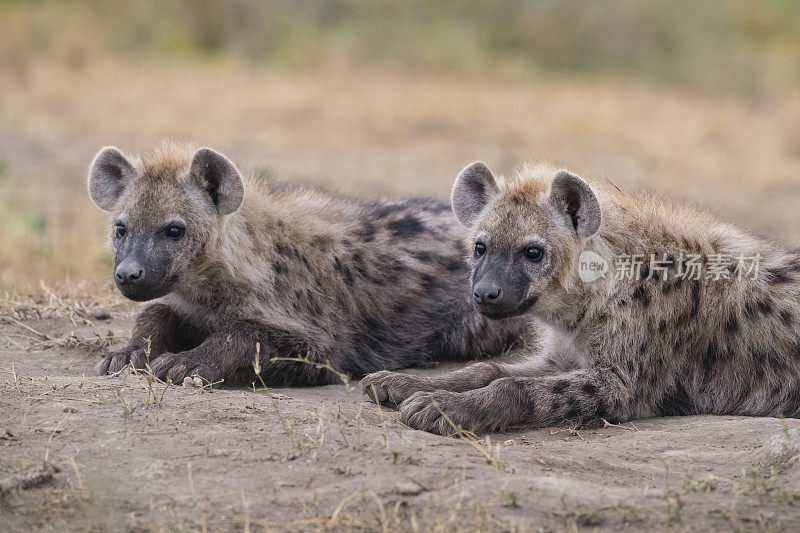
x: 739, y: 45
x: 701, y: 99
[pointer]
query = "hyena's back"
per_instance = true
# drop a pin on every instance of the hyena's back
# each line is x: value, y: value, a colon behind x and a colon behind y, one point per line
x: 395, y: 288
x: 245, y: 274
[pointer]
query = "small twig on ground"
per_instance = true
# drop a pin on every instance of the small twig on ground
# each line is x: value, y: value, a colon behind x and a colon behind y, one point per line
x: 16, y: 379
x: 25, y: 326
x: 607, y: 424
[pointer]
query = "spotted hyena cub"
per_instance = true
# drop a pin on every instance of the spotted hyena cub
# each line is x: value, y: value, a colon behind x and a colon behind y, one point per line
x: 655, y: 310
x: 240, y: 271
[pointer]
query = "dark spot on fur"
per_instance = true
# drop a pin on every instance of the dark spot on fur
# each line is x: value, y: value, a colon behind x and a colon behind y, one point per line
x: 765, y: 306
x: 695, y: 299
x: 560, y: 386
x: 709, y: 361
x: 732, y: 324
x: 428, y: 282
x: 786, y: 317
x: 678, y: 343
x: 422, y: 256
x: 279, y: 268
x: 450, y: 264
x: 384, y: 210
x: 676, y: 403
x: 778, y: 276
x: 367, y: 232
x: 518, y: 198
x: 589, y: 388
x: 641, y: 294
x: 348, y: 275
x: 408, y: 226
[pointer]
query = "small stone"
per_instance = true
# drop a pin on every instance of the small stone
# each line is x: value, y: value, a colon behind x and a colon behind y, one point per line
x: 198, y: 382
x: 408, y: 488
x: 70, y: 410
x: 188, y: 382
x: 509, y: 442
x: 100, y: 313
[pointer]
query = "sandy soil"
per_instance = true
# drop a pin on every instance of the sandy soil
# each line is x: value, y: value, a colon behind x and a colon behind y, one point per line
x: 133, y: 454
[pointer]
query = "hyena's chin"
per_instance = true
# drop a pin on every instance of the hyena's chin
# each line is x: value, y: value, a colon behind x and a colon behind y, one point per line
x: 139, y: 293
x: 496, y: 312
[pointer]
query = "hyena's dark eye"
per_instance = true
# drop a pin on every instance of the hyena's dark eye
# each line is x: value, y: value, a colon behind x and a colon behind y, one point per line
x: 120, y: 231
x: 534, y: 253
x: 175, y: 232
x: 480, y: 249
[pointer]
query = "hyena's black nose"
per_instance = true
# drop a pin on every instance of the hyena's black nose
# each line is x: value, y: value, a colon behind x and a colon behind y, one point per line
x: 129, y: 272
x: 487, y: 294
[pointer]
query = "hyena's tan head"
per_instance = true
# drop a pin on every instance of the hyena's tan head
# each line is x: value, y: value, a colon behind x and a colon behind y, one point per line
x: 525, y: 235
x: 163, y: 209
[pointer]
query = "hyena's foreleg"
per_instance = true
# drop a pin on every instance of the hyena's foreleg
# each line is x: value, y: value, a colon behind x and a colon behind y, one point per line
x: 579, y: 395
x: 395, y: 387
x: 158, y: 329
x: 236, y: 351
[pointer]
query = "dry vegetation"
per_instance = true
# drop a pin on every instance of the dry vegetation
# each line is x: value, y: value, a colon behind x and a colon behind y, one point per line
x: 701, y: 100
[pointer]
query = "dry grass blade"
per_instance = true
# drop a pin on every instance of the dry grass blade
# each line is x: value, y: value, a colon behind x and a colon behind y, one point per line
x: 472, y: 439
x: 607, y: 424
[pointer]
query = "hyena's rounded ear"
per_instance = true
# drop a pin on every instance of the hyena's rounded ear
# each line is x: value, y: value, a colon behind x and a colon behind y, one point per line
x: 217, y: 175
x: 109, y: 174
x: 573, y: 197
x: 473, y: 190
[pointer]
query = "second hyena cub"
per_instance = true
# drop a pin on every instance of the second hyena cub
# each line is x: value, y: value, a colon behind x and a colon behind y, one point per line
x: 299, y: 284
x: 655, y: 310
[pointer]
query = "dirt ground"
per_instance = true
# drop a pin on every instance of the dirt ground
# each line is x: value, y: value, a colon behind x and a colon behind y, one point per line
x: 137, y: 455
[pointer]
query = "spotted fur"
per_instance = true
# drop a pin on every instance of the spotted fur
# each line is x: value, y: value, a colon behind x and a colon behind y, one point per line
x: 294, y: 272
x: 622, y: 349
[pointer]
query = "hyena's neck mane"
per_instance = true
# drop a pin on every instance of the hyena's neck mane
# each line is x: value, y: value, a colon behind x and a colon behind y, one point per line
x: 272, y: 222
x: 653, y: 231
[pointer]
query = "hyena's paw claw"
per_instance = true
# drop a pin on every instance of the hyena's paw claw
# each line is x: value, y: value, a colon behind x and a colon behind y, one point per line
x: 436, y: 412
x: 176, y: 367
x: 116, y: 361
x: 390, y: 387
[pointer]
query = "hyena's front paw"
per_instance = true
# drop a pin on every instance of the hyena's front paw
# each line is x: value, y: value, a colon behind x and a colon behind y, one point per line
x: 438, y: 412
x: 391, y: 387
x: 134, y: 356
x: 176, y: 367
